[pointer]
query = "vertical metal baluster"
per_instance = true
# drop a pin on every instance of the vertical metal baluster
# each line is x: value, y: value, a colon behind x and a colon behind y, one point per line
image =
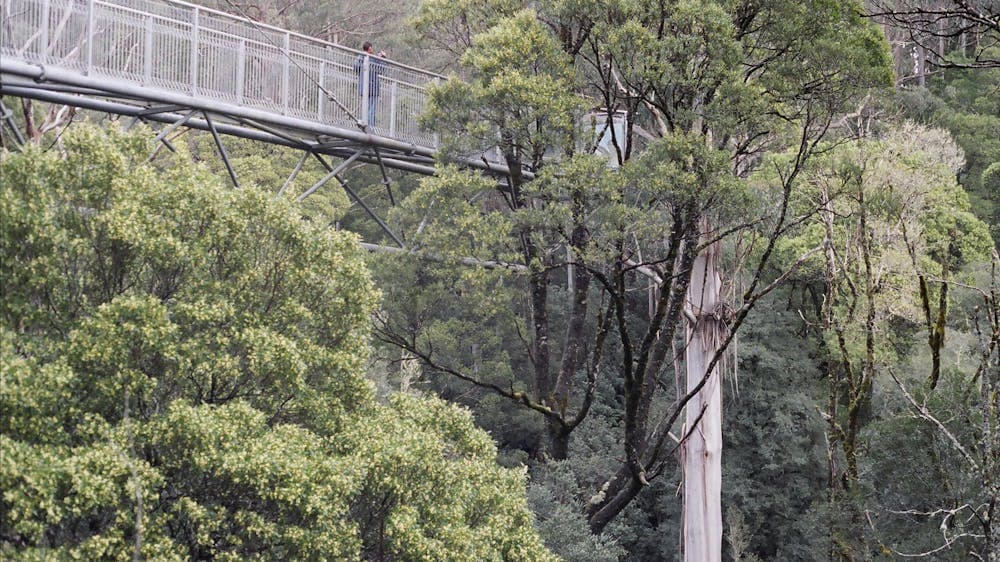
x: 436, y: 138
x: 255, y: 70
x: 320, y: 94
x: 164, y: 44
x: 194, y: 53
x: 285, y: 73
x: 176, y: 49
x: 392, y: 109
x: 89, y: 57
x: 122, y: 45
x: 128, y: 48
x: 44, y: 39
x: 125, y: 46
x: 106, y: 57
x: 255, y: 77
x: 241, y: 70
x: 147, y: 52
x: 111, y: 50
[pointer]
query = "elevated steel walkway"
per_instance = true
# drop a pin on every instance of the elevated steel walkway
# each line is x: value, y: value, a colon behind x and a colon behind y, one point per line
x: 173, y: 62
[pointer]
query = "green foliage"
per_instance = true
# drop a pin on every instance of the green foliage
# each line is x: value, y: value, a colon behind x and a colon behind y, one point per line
x: 913, y: 202
x: 520, y: 88
x: 964, y: 102
x: 183, y: 379
x: 451, y: 25
x: 893, y: 226
x: 898, y: 197
x: 773, y: 467
x: 934, y: 472
x: 739, y: 537
x: 555, y: 495
x: 740, y: 69
x: 445, y: 219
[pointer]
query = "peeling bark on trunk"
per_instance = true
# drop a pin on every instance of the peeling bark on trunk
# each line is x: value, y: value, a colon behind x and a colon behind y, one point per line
x: 702, y: 450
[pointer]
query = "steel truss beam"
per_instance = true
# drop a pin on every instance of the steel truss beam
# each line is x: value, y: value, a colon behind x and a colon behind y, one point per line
x: 25, y: 78
x: 295, y: 172
x: 222, y: 149
x: 385, y: 177
x: 7, y: 116
x: 226, y: 128
x: 162, y: 135
x: 334, y: 172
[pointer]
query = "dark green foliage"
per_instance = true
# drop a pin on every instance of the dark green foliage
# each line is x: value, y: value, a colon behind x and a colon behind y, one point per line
x: 774, y: 457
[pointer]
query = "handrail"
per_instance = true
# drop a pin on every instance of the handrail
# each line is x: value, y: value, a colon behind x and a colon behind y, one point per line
x: 175, y: 47
x: 309, y: 38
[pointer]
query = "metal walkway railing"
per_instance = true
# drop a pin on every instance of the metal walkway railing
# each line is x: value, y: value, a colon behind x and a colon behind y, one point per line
x: 178, y: 48
x: 171, y: 62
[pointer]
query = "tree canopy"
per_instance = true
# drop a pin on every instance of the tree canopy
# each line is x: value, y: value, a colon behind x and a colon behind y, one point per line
x: 184, y: 377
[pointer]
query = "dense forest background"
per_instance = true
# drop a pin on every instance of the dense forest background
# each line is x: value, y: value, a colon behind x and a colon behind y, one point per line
x: 194, y: 372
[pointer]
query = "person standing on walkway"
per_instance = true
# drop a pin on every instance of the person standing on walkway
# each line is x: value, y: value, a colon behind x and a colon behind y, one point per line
x: 374, y: 69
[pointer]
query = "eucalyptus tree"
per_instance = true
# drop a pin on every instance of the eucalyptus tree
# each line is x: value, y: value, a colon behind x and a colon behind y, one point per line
x: 688, y: 96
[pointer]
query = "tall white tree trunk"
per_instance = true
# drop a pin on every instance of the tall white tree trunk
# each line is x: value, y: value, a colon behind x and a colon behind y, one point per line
x: 702, y: 451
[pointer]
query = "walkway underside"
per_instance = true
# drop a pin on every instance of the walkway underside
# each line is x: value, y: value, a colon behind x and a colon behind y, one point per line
x: 52, y: 85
